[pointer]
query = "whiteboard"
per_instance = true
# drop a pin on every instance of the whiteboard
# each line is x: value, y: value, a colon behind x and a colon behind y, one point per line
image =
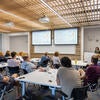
x: 62, y: 49
x: 87, y: 56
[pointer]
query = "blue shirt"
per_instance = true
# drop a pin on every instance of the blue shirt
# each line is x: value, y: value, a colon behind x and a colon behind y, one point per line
x: 28, y: 66
x: 44, y: 58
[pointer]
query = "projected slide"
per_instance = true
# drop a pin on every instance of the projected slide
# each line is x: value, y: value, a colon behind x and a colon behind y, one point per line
x: 65, y: 36
x: 41, y: 38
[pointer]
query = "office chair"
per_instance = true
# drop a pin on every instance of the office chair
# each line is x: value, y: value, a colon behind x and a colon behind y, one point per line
x: 79, y: 93
x: 13, y: 70
x: 24, y: 71
x: 5, y: 89
x: 44, y: 63
x: 2, y: 92
x: 94, y: 86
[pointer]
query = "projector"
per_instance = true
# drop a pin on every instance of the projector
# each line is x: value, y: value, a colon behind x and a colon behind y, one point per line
x: 44, y: 19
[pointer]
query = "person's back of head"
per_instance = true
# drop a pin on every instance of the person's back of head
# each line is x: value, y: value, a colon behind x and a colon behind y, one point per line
x: 46, y: 53
x: 21, y: 53
x: 94, y: 59
x: 56, y: 54
x: 25, y: 58
x: 7, y: 53
x: 13, y: 54
x: 1, y: 54
x: 66, y: 62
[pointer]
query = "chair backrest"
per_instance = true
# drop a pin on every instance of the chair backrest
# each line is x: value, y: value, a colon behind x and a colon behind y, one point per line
x: 79, y: 93
x: 2, y: 92
x: 13, y: 70
x: 3, y: 59
x: 45, y: 63
x: 24, y: 71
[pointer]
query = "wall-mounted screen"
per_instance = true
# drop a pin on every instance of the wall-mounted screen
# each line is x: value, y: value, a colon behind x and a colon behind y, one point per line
x: 66, y: 36
x: 41, y: 37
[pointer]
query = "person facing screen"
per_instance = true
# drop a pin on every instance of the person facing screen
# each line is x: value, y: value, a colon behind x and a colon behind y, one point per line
x: 44, y: 60
x: 8, y: 54
x: 92, y: 72
x: 13, y: 62
x: 67, y: 76
x: 26, y: 65
x: 56, y: 60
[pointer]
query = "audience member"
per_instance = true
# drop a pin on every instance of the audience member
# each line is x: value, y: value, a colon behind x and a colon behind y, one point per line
x: 68, y: 77
x: 56, y: 60
x: 2, y: 58
x: 27, y: 65
x: 44, y: 60
x: 8, y: 54
x: 13, y: 62
x: 20, y: 56
x: 97, y: 50
x: 1, y: 55
x: 92, y: 72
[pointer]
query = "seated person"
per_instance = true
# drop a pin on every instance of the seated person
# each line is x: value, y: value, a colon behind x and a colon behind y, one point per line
x: 2, y: 58
x: 92, y: 72
x: 56, y: 60
x: 27, y: 65
x: 97, y: 50
x: 8, y: 54
x: 20, y: 56
x: 9, y: 82
x: 13, y: 62
x: 68, y: 77
x: 44, y: 60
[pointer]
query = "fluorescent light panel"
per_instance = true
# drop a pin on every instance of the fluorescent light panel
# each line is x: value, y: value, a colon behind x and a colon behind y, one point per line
x: 55, y: 12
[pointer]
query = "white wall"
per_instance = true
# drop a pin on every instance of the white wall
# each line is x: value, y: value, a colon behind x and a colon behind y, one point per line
x: 14, y: 42
x: 91, y: 39
x: 19, y: 43
x: 0, y: 42
x: 5, y: 42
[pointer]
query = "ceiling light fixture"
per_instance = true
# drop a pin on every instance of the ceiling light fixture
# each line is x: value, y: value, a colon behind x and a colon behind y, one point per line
x: 55, y: 12
x: 21, y: 18
x: 44, y: 19
x: 10, y: 24
x: 12, y: 27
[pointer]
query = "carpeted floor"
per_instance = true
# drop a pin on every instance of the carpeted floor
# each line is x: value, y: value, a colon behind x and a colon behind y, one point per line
x: 43, y: 92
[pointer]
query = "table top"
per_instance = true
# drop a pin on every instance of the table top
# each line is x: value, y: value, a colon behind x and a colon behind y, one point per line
x: 79, y: 63
x: 35, y: 59
x: 2, y: 65
x: 40, y: 78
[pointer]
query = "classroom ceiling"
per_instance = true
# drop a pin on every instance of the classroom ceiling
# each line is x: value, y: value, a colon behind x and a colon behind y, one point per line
x: 25, y: 14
